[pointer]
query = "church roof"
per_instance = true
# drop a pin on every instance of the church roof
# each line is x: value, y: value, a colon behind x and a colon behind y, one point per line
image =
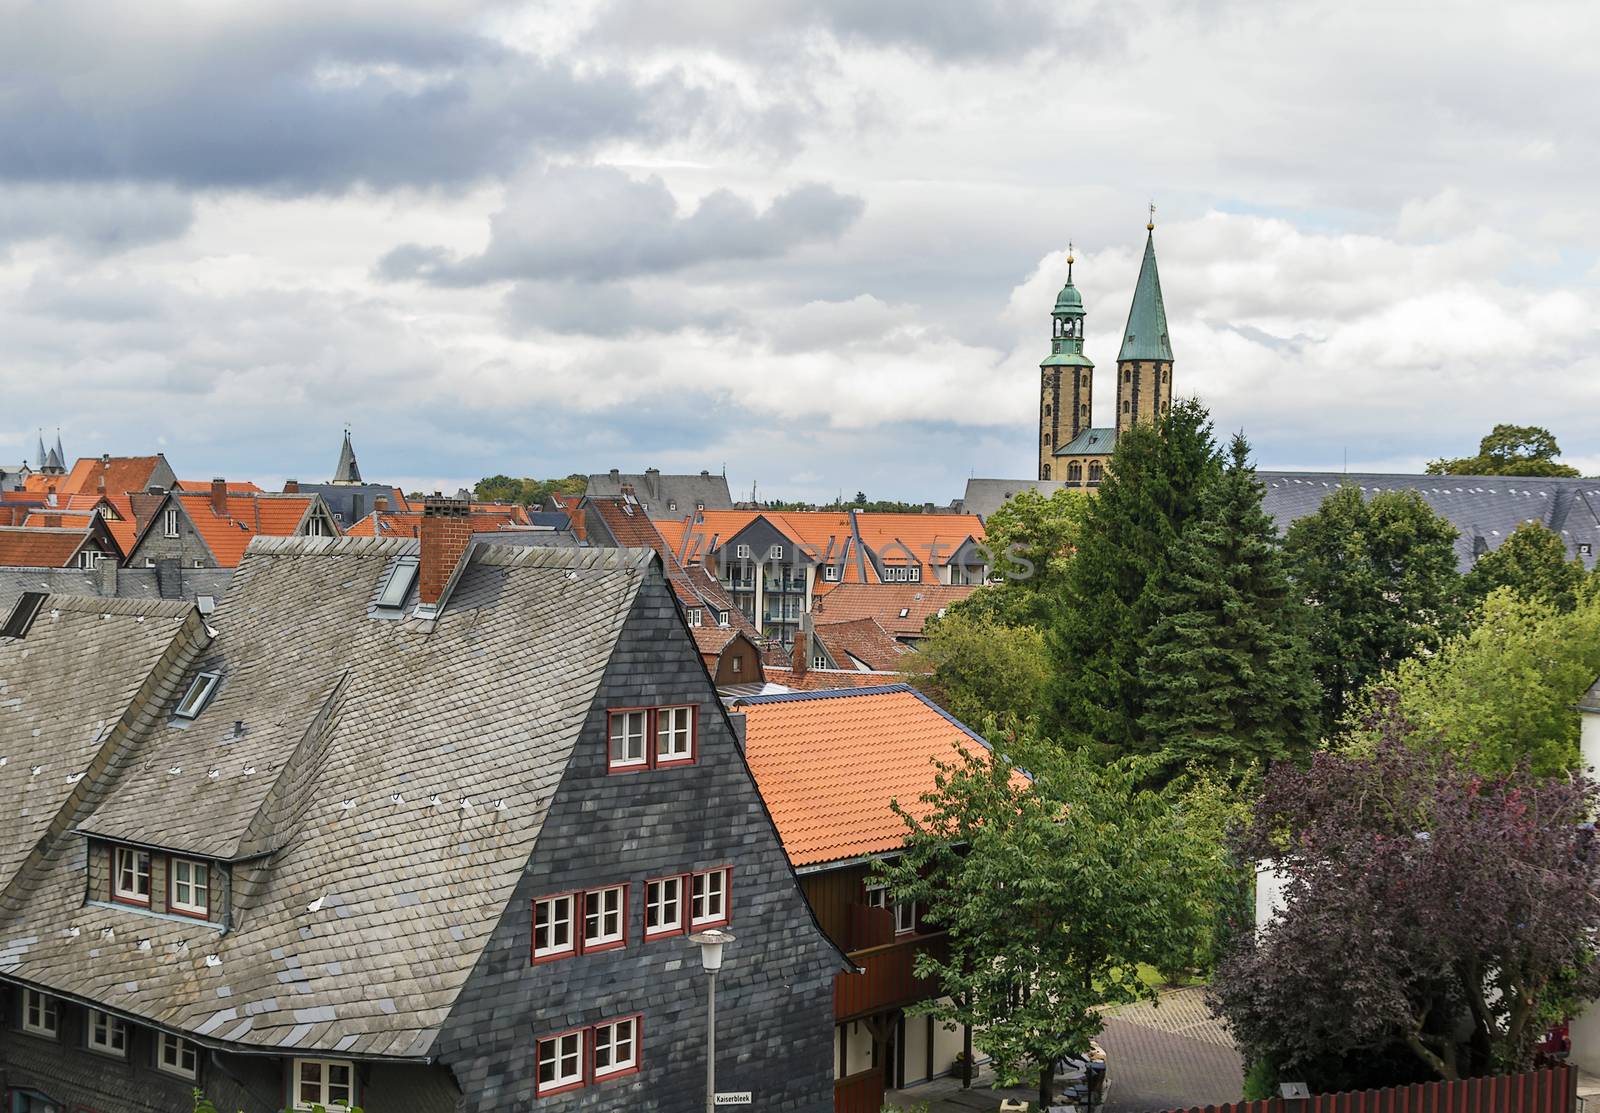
x: 347, y: 472
x: 1146, y: 334
x: 1069, y: 300
x: 1090, y: 442
x: 1066, y: 359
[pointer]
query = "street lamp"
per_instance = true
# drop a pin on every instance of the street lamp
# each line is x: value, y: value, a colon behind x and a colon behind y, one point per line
x: 711, y: 943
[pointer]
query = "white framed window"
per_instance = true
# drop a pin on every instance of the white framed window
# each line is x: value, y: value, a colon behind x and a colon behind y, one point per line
x: 176, y: 1055
x: 324, y: 1082
x: 708, y: 898
x: 674, y: 734
x: 736, y: 663
x: 552, y: 927
x: 198, y: 695
x: 905, y: 917
x: 41, y: 1014
x: 878, y: 895
x: 627, y: 739
x: 89, y: 558
x: 130, y: 875
x: 616, y: 1047
x: 398, y: 586
x: 775, y: 552
x: 605, y: 918
x: 107, y: 1034
x: 830, y: 572
x: 149, y: 562
x: 560, y: 1064
x: 694, y: 616
x: 722, y: 618
x: 191, y: 886
x: 742, y: 552
x: 663, y: 907
x: 169, y: 523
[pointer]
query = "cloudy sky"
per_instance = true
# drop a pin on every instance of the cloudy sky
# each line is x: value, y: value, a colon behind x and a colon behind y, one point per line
x: 814, y: 243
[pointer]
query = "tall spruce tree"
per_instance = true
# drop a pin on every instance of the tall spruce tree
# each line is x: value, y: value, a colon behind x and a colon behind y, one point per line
x: 1150, y: 494
x: 1226, y: 669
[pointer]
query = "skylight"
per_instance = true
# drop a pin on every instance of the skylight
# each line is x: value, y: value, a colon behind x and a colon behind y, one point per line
x: 398, y: 585
x: 198, y: 695
x: 22, y: 614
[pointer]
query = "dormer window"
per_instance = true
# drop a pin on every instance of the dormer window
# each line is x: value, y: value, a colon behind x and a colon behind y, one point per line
x: 169, y: 523
x: 190, y: 891
x: 694, y: 616
x: 89, y: 559
x: 397, y: 588
x: 107, y: 1034
x: 199, y: 694
x: 130, y: 875
x: 830, y: 572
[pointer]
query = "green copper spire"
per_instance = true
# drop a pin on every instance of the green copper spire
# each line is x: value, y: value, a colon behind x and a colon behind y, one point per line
x: 1146, y: 334
x: 1066, y: 340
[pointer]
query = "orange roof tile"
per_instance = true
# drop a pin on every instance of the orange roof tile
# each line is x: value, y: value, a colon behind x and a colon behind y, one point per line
x: 932, y: 539
x: 235, y: 487
x: 862, y: 639
x: 121, y: 473
x: 885, y: 602
x: 34, y: 547
x: 248, y: 515
x: 829, y: 763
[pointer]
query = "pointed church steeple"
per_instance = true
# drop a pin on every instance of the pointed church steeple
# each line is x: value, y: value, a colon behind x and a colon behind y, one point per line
x: 61, y: 454
x: 1066, y: 378
x: 347, y: 471
x: 40, y: 458
x: 1144, y: 365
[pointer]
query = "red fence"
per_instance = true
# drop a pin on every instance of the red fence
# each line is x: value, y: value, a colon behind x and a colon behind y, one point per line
x: 1550, y: 1090
x: 859, y: 1093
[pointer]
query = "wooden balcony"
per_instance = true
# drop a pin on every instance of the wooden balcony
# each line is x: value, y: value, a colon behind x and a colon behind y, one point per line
x: 886, y: 980
x: 859, y: 1093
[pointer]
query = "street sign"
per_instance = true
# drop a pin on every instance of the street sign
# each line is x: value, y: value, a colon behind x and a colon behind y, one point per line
x: 732, y: 1097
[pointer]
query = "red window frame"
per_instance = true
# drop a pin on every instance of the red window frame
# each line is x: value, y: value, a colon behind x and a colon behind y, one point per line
x: 652, y: 738
x: 593, y: 1041
x: 150, y: 876
x: 542, y: 1091
x: 173, y: 908
x: 582, y: 934
x: 683, y: 907
x: 727, y: 898
x: 574, y: 928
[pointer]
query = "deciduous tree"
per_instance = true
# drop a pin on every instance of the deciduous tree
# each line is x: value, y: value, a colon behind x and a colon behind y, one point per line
x: 981, y: 667
x: 1509, y: 450
x: 1531, y: 562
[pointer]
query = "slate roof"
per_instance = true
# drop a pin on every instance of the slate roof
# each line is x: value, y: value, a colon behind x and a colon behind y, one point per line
x: 1591, y: 698
x: 665, y: 496
x: 884, y: 602
x: 829, y: 763
x: 401, y: 769
x: 1485, y: 509
x: 350, y: 502
x: 168, y: 580
x: 1090, y: 442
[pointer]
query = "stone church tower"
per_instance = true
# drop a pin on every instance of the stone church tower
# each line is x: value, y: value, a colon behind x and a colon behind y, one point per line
x: 1066, y: 379
x: 1144, y: 365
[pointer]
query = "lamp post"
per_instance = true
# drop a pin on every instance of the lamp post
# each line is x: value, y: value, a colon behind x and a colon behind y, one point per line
x: 711, y: 943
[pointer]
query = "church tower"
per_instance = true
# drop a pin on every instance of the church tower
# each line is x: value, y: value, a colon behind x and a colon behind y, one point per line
x: 1065, y: 378
x: 1144, y: 365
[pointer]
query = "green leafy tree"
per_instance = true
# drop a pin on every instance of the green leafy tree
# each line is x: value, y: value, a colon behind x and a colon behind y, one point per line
x: 528, y: 492
x: 1527, y: 450
x: 1053, y: 891
x: 1033, y: 538
x: 1227, y: 669
x: 1500, y: 694
x: 1097, y: 635
x: 1531, y: 562
x: 1380, y: 579
x: 981, y: 667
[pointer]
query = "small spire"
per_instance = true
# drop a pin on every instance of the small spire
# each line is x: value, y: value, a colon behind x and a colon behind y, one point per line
x: 1150, y: 225
x: 1069, y: 261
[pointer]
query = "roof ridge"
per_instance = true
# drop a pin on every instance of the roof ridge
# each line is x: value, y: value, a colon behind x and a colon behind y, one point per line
x: 830, y: 693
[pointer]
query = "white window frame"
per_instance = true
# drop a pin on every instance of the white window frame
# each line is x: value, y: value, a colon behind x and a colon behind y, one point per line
x: 172, y: 1051
x: 742, y: 552
x: 605, y: 1040
x: 171, y: 523
x: 775, y: 551
x: 607, y: 910
x: 199, y: 882
x: 105, y: 1034
x: 88, y: 559
x: 663, y: 897
x: 553, y: 905
x: 199, y: 694
x: 905, y: 917
x: 628, y: 738
x: 324, y: 1083
x: 397, y: 587
x: 701, y: 892
x: 694, y: 616
x: 674, y: 734
x: 564, y: 1048
x: 830, y: 572
x: 46, y: 1008
x: 132, y: 856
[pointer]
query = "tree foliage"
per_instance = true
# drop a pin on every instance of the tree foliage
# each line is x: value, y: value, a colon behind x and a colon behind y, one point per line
x: 1053, y: 891
x: 1433, y: 916
x: 1531, y: 562
x: 1151, y: 492
x: 982, y: 667
x: 504, y: 488
x: 1501, y: 693
x: 1380, y: 579
x: 1226, y: 668
x: 1528, y: 450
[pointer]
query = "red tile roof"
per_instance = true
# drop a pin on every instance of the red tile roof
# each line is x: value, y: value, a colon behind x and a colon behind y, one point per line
x: 235, y: 486
x: 862, y: 639
x: 248, y: 515
x: 828, y: 764
x: 827, y: 680
x: 34, y: 547
x: 121, y: 474
x: 885, y: 602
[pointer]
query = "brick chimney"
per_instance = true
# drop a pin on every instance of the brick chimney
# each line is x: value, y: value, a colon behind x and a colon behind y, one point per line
x: 291, y: 486
x: 219, y: 496
x: 446, y: 532
x: 799, y: 659
x: 381, y: 504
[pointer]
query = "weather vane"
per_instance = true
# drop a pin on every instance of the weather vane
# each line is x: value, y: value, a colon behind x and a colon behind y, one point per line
x: 1151, y: 227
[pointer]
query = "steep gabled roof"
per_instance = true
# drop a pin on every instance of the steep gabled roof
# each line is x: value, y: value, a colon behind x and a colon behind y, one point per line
x: 665, y: 496
x: 247, y: 515
x: 346, y: 471
x: 886, y: 602
x: 829, y: 763
x: 863, y: 640
x: 1146, y: 334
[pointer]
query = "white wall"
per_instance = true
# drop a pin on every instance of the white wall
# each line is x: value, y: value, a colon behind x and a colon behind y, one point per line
x: 1270, y: 884
x: 1589, y: 741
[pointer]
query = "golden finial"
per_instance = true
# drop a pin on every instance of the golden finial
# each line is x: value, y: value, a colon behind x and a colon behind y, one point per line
x: 1151, y: 226
x: 1069, y: 262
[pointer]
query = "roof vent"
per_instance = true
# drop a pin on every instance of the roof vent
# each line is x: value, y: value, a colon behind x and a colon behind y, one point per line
x: 23, y: 614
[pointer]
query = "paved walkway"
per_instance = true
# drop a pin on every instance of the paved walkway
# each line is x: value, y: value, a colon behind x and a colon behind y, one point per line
x: 1169, y: 1055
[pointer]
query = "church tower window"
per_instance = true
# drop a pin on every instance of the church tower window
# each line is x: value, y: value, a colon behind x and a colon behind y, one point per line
x: 1047, y: 471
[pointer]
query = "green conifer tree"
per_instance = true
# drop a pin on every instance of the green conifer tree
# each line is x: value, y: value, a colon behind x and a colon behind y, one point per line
x: 1226, y: 669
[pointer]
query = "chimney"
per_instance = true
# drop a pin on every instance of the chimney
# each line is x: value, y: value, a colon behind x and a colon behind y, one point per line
x: 615, y: 475
x: 799, y: 661
x: 381, y: 504
x: 219, y: 496
x: 446, y: 532
x: 105, y: 458
x: 100, y: 483
x: 652, y: 482
x: 291, y: 486
x: 740, y: 725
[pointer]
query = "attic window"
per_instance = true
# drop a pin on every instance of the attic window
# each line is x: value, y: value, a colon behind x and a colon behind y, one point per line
x: 905, y: 612
x: 169, y: 523
x: 398, y: 586
x: 830, y: 572
x: 22, y: 614
x: 198, y: 695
